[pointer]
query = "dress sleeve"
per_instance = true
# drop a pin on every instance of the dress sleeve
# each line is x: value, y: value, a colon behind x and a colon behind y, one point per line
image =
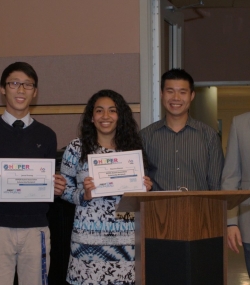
x: 69, y: 168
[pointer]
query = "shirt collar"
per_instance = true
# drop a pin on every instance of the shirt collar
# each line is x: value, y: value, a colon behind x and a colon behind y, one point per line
x: 161, y: 123
x: 190, y: 122
x: 10, y: 119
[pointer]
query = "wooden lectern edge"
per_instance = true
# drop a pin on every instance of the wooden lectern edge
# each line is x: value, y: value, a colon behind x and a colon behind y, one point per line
x: 130, y: 201
x: 135, y: 202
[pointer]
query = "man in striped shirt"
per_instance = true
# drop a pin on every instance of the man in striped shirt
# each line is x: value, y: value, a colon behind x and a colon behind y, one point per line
x: 182, y: 152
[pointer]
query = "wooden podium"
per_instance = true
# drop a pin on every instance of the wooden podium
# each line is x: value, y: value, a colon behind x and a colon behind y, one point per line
x: 180, y: 237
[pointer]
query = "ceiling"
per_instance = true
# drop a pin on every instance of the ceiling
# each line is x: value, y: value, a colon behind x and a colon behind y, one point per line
x: 213, y: 3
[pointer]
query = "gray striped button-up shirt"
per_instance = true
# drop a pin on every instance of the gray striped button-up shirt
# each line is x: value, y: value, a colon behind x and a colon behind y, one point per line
x: 192, y: 158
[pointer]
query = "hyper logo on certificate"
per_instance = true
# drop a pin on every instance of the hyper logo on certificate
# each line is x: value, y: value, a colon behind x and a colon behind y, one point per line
x: 27, y: 180
x: 116, y: 173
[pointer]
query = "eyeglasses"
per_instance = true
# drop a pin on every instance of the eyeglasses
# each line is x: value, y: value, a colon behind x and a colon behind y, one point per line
x: 16, y: 85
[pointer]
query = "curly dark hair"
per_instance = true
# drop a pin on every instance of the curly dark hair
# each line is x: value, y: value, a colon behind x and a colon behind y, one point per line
x: 126, y: 136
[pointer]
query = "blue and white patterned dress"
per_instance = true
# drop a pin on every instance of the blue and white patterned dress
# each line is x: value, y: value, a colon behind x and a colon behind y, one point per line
x: 102, y: 241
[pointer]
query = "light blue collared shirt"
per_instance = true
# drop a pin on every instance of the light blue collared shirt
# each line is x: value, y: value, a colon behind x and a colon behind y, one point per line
x: 9, y: 119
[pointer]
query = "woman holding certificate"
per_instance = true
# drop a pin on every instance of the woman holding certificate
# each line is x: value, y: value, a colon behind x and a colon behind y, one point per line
x: 102, y: 242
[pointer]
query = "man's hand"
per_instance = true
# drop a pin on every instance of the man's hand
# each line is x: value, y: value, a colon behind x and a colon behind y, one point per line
x: 234, y: 238
x: 148, y: 183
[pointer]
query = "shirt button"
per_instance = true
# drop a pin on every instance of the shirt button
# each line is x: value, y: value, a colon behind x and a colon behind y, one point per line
x: 177, y: 168
x: 176, y: 150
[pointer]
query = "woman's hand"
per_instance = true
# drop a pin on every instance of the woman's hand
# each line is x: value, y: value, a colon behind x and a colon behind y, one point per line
x: 88, y: 185
x: 59, y: 184
x: 148, y: 183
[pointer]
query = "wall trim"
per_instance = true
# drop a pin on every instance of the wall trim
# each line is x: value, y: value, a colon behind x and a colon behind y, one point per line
x: 65, y: 109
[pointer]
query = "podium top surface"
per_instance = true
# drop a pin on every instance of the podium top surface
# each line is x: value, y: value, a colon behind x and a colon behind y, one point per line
x: 130, y: 201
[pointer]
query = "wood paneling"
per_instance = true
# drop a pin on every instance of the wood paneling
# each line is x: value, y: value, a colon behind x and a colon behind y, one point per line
x: 161, y: 223
x: 179, y: 216
x: 65, y: 109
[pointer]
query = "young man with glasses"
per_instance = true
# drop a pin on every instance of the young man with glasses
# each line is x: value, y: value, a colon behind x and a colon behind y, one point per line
x: 24, y: 232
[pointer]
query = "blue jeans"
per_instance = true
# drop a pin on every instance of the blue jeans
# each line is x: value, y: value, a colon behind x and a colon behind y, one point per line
x: 246, y: 247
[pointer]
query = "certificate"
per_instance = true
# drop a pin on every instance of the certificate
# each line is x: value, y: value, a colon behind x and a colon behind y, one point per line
x: 116, y: 172
x: 27, y: 180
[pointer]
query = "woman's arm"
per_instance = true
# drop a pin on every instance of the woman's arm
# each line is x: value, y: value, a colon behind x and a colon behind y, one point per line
x: 74, y: 191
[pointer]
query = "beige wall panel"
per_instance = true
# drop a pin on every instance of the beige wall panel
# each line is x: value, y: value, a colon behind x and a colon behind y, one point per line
x: 39, y: 28
x: 137, y: 118
x: 74, y: 79
x: 66, y: 126
x: 232, y: 101
x: 227, y: 116
x: 217, y: 44
x: 204, y: 106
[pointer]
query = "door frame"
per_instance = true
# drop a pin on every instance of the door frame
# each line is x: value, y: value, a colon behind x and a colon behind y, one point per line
x: 152, y: 16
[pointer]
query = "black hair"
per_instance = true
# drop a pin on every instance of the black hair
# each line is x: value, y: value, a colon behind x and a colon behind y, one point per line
x: 126, y: 136
x: 19, y: 66
x: 177, y: 73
